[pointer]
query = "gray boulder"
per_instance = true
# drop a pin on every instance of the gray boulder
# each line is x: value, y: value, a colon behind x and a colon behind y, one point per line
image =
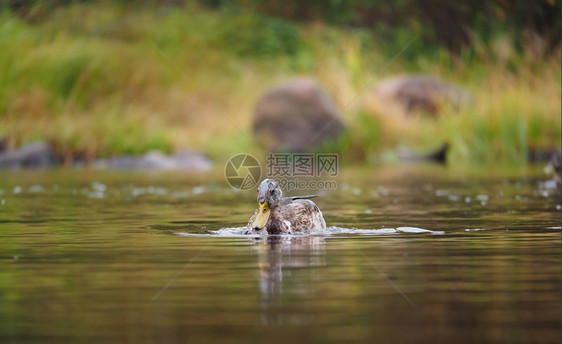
x: 296, y: 116
x: 553, y: 168
x: 188, y: 160
x: 408, y: 94
x: 35, y: 154
x: 438, y: 155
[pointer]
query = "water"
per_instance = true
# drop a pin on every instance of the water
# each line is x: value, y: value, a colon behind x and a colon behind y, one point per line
x: 89, y: 256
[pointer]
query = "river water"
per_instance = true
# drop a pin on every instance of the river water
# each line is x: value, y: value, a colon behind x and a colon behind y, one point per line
x: 413, y: 254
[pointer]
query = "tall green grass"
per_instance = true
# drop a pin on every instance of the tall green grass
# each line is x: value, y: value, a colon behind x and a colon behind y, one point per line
x: 106, y: 78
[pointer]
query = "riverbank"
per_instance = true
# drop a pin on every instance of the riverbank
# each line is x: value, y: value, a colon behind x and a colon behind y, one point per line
x: 106, y: 79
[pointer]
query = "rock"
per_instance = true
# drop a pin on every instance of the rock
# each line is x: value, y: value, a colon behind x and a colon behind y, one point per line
x: 192, y: 160
x: 408, y: 94
x: 155, y: 160
x: 36, y: 154
x: 438, y: 155
x: 296, y: 116
x: 544, y: 154
x: 553, y: 168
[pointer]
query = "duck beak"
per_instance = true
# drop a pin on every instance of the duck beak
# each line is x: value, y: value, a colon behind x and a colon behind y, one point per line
x: 262, y: 217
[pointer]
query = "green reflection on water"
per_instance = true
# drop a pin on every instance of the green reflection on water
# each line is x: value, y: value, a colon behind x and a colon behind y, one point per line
x: 82, y: 256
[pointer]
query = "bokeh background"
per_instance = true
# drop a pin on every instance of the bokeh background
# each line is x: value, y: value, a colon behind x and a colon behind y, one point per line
x: 96, y: 79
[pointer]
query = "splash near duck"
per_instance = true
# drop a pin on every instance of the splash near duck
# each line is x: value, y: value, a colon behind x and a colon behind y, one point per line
x: 285, y: 215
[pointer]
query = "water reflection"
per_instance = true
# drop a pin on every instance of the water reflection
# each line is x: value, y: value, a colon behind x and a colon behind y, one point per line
x: 287, y: 274
x: 81, y: 256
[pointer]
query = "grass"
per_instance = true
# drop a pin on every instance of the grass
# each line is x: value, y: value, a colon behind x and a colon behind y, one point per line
x: 103, y: 79
x: 511, y: 113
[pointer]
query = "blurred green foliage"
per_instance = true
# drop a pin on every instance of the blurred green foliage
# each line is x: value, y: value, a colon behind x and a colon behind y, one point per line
x: 258, y: 37
x: 99, y: 78
x: 452, y: 24
x: 359, y: 141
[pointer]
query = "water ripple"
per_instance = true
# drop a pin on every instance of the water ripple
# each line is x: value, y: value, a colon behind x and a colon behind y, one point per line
x: 235, y: 232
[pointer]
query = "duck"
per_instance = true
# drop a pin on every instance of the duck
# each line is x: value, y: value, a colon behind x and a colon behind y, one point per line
x: 285, y: 215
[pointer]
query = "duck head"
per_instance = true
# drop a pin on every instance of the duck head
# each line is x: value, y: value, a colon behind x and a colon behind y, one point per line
x: 269, y: 196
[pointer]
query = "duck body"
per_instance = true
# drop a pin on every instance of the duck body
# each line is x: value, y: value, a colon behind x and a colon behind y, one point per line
x: 296, y: 216
x: 284, y: 215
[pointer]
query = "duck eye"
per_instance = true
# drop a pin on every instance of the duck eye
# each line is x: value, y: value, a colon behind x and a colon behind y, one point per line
x: 264, y: 210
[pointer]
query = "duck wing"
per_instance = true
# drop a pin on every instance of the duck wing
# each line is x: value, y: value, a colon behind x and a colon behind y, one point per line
x: 288, y: 200
x: 302, y: 215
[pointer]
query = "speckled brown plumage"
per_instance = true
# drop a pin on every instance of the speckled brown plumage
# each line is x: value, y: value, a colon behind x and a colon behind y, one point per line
x: 288, y: 214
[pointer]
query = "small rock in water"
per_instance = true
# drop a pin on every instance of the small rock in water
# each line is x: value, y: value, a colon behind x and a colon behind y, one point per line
x: 382, y: 190
x: 543, y: 193
x: 96, y: 194
x: 482, y: 197
x: 35, y: 188
x: 160, y: 191
x: 187, y: 160
x: 180, y: 194
x: 98, y: 186
x: 453, y: 198
x: 35, y: 154
x: 550, y: 184
x: 198, y: 190
x: 138, y: 191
